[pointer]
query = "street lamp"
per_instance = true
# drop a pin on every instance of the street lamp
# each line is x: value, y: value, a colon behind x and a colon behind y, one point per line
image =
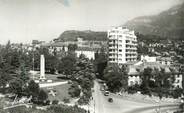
x: 94, y: 105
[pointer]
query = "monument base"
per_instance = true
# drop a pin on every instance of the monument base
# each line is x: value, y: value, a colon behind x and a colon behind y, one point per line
x: 42, y: 79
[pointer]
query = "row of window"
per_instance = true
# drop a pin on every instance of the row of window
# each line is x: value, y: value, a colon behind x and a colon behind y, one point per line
x: 131, y: 59
x: 127, y: 59
x: 128, y: 37
x: 113, y: 50
x: 115, y: 59
x: 115, y: 45
x: 133, y: 54
x: 131, y: 50
x: 130, y: 46
x: 120, y: 55
x: 119, y: 36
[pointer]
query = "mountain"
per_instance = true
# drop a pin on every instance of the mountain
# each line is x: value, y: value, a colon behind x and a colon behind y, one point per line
x: 168, y: 24
x: 72, y: 35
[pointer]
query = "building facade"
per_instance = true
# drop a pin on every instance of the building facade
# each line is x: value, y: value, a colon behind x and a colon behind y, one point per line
x: 87, y: 52
x: 122, y: 45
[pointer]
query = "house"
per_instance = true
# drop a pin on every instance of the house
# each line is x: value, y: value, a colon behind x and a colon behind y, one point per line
x: 178, y: 80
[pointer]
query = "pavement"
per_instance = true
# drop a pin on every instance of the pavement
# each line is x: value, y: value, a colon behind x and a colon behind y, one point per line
x: 100, y: 104
x: 42, y: 85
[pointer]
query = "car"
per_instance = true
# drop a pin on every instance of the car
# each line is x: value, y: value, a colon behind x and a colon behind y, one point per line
x: 106, y: 93
x: 110, y: 100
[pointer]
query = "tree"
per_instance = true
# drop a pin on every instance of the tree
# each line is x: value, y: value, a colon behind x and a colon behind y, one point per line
x: 16, y: 86
x: 74, y: 90
x: 33, y: 90
x: 42, y: 97
x: 67, y: 64
x: 116, y: 78
x: 23, y: 75
x: 4, y: 79
x: 163, y: 81
x: 100, y: 62
x: 146, y: 76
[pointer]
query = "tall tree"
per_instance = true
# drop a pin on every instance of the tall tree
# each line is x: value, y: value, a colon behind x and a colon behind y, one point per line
x: 100, y: 62
x: 67, y: 64
x: 23, y: 74
x: 116, y: 78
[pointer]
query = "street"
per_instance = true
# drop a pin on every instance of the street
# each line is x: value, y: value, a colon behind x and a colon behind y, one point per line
x: 122, y: 105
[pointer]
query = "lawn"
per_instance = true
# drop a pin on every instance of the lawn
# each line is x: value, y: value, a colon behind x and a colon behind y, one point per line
x: 61, y: 92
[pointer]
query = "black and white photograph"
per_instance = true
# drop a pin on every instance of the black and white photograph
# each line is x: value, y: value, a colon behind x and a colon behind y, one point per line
x: 91, y: 56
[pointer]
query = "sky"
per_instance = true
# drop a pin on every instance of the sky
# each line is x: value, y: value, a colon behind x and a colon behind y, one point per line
x: 27, y: 20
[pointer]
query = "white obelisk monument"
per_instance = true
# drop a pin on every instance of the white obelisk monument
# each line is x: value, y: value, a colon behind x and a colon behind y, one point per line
x: 42, y: 67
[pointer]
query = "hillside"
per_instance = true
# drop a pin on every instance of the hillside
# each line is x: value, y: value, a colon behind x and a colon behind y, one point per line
x: 168, y: 24
x: 72, y: 35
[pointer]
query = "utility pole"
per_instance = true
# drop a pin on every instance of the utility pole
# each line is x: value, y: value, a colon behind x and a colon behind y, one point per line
x: 33, y: 63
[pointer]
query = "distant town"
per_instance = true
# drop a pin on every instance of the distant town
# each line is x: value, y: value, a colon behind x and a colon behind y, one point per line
x: 125, y: 63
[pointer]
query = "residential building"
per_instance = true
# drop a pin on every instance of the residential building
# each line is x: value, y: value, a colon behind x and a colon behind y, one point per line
x: 122, y: 45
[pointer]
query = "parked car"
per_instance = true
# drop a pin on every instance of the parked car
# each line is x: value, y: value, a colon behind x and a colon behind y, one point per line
x: 106, y: 93
x: 110, y: 100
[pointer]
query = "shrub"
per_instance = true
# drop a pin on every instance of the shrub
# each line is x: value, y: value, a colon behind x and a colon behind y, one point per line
x: 55, y: 102
x: 65, y: 109
x: 66, y: 100
x: 83, y: 100
x: 74, y: 90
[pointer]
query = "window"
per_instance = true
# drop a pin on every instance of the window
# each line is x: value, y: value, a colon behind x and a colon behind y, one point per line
x: 178, y: 76
x: 110, y: 36
x: 127, y: 41
x: 178, y: 81
x: 120, y: 50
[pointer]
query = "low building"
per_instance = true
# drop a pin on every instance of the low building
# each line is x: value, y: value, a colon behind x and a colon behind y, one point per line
x: 87, y: 51
x: 165, y: 60
x: 135, y: 70
x: 178, y: 80
x: 148, y: 58
x: 133, y: 76
x: 132, y: 80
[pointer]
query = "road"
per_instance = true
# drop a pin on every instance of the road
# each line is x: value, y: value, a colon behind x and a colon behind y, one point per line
x: 121, y: 105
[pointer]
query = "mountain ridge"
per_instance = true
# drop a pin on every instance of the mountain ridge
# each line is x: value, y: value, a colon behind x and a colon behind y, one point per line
x: 72, y: 35
x: 169, y: 23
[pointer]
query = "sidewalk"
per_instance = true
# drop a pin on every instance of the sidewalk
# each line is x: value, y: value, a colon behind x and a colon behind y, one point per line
x: 147, y: 99
x: 52, y: 84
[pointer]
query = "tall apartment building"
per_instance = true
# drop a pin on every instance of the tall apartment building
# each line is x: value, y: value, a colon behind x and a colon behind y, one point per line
x: 122, y: 45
